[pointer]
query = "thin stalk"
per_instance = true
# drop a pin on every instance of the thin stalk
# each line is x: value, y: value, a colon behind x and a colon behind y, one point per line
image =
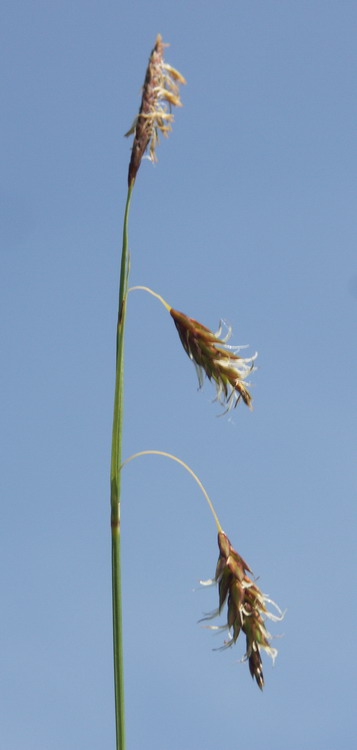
x: 154, y: 294
x: 115, y: 488
x: 185, y: 466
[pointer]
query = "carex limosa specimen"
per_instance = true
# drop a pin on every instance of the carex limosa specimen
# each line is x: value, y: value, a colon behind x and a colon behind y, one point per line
x: 212, y: 356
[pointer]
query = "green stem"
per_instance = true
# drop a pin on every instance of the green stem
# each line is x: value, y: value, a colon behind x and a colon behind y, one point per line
x: 115, y: 488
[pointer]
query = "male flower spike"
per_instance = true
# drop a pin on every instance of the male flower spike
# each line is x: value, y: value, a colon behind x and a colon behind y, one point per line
x: 160, y: 94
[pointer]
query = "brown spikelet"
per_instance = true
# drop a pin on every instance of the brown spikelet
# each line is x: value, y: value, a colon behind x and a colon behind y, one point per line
x: 212, y: 356
x: 160, y: 93
x: 246, y: 607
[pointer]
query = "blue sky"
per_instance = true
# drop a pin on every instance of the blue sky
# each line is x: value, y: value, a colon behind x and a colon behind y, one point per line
x: 250, y: 216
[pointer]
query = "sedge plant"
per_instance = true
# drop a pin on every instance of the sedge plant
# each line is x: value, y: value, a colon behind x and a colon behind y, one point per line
x: 220, y: 362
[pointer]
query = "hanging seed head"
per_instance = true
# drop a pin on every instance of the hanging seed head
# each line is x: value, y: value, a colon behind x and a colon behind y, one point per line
x: 212, y: 356
x: 160, y: 94
x: 246, y: 607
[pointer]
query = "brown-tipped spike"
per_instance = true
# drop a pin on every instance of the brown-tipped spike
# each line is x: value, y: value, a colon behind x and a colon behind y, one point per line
x: 212, y: 356
x: 247, y: 607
